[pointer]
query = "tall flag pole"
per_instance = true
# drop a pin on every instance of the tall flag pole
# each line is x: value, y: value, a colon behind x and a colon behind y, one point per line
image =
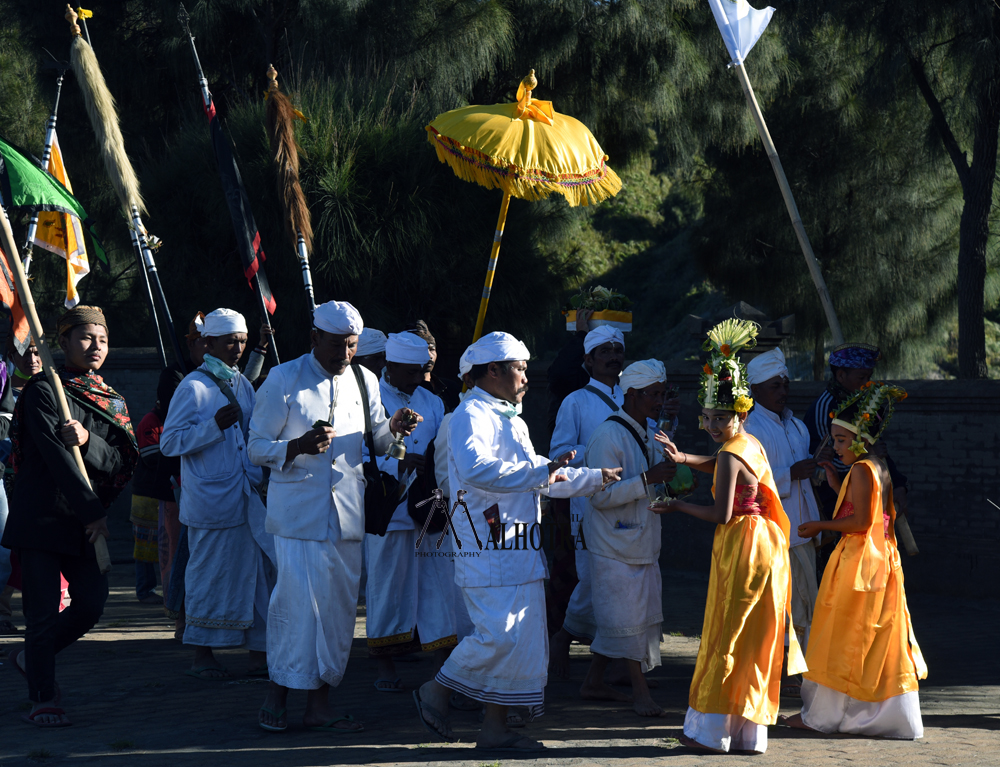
x: 741, y: 26
x: 24, y: 185
x: 281, y: 116
x: 244, y: 226
x: 104, y: 119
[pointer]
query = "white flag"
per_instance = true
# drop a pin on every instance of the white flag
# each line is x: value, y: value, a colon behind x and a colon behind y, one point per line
x: 741, y: 26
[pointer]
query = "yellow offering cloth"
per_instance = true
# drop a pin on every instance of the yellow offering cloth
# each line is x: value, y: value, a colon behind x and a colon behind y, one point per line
x: 862, y: 643
x: 738, y: 671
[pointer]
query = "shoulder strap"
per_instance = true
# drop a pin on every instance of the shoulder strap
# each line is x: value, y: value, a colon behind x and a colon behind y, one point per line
x: 369, y: 437
x: 607, y: 400
x: 228, y: 391
x: 634, y: 433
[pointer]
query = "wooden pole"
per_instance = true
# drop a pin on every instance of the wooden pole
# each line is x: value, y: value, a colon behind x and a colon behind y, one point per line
x: 48, y: 365
x: 793, y: 210
x: 492, y: 267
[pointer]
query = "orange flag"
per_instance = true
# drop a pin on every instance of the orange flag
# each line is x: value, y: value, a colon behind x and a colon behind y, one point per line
x: 62, y: 234
x: 10, y: 302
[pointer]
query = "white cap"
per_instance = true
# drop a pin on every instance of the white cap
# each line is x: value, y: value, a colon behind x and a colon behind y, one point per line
x: 407, y: 349
x: 639, y: 375
x: 766, y: 366
x: 601, y: 335
x: 464, y: 366
x: 495, y: 347
x: 370, y: 341
x: 338, y: 317
x: 221, y: 322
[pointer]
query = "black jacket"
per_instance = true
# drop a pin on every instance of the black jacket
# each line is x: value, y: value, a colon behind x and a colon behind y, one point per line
x: 566, y: 375
x: 50, y: 502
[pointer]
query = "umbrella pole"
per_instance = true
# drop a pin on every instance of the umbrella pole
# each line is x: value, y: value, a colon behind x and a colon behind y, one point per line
x: 48, y: 365
x: 491, y: 269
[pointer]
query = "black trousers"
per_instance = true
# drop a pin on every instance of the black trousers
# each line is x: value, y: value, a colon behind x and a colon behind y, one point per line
x: 48, y: 631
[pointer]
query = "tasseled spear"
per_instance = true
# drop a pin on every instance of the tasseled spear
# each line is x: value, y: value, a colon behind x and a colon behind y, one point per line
x: 281, y: 117
x: 104, y: 118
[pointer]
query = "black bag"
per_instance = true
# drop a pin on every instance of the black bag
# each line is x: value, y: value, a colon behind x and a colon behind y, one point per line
x: 381, y: 489
x: 422, y: 489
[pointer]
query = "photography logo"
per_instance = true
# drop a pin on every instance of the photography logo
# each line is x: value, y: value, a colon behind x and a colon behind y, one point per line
x: 439, y: 504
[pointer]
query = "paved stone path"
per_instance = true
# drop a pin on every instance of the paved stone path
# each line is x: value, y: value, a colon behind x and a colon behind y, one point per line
x: 131, y: 704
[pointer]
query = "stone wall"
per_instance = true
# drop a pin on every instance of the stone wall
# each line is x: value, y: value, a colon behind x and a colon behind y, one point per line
x: 945, y: 437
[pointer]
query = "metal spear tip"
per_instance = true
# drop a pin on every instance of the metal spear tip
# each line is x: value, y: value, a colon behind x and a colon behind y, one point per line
x: 183, y: 17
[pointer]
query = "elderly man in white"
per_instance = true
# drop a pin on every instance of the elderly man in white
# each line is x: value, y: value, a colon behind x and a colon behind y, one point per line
x: 503, y: 661
x: 623, y: 537
x: 579, y: 414
x: 308, y: 427
x: 412, y: 600
x: 786, y: 442
x: 230, y: 572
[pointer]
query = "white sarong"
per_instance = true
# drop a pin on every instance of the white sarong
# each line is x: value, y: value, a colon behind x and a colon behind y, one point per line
x: 505, y: 658
x: 725, y: 732
x: 804, y: 589
x: 828, y: 710
x: 227, y: 587
x: 579, y: 620
x: 628, y: 610
x: 409, y: 589
x: 313, y: 609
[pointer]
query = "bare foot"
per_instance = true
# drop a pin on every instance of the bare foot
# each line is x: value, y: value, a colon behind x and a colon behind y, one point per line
x: 47, y: 719
x: 559, y: 654
x: 510, y: 741
x: 272, y: 715
x: 319, y: 713
x: 795, y: 720
x: 691, y: 743
x: 257, y: 662
x: 603, y: 692
x: 206, y: 666
x: 624, y: 680
x: 645, y: 706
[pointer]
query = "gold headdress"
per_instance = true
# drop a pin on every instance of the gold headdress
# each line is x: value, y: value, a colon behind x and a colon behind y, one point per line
x: 866, y: 414
x: 724, y: 384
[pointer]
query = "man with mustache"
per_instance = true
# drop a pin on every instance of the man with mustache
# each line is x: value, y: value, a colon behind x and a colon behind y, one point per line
x: 579, y: 415
x: 786, y: 441
x: 308, y: 427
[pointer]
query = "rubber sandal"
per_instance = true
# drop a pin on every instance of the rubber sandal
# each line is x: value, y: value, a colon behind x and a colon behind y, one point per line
x: 421, y: 707
x: 509, y: 745
x: 692, y: 743
x: 199, y: 673
x: 397, y: 685
x: 513, y: 720
x: 461, y: 702
x: 328, y: 727
x: 30, y: 718
x: 276, y: 715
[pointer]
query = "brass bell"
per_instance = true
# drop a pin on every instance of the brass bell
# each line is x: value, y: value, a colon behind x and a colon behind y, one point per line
x: 397, y: 449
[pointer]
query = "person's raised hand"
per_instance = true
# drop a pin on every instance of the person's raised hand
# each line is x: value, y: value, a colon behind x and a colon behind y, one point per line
x: 315, y: 441
x: 670, y: 451
x: 97, y: 528
x: 227, y: 416
x: 672, y: 406
x: 404, y: 421
x: 663, y: 472
x: 803, y: 469
x: 559, y: 463
x: 72, y: 434
x: 832, y: 478
x: 266, y: 334
x: 809, y: 529
x: 582, y: 319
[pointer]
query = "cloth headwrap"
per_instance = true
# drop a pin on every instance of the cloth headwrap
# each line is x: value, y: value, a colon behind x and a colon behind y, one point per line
x: 407, y: 349
x: 863, y: 356
x: 222, y: 322
x: 496, y: 347
x: 601, y: 335
x: 81, y: 315
x: 464, y: 366
x: 639, y: 375
x: 766, y: 366
x: 370, y: 341
x: 339, y: 318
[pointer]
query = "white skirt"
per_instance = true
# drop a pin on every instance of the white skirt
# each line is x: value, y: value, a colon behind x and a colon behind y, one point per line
x: 579, y: 620
x: 725, y: 732
x: 827, y: 710
x: 628, y: 609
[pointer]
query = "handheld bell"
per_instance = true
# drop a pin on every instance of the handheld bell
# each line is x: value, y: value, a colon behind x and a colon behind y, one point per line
x: 397, y: 449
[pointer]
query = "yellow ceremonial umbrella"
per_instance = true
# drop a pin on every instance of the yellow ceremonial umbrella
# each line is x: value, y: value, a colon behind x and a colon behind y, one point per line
x: 527, y: 150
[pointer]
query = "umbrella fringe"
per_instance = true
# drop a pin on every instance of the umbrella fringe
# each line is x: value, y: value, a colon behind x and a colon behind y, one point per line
x: 525, y: 183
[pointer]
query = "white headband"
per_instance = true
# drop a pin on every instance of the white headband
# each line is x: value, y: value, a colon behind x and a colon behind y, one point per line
x: 339, y: 318
x: 407, y: 349
x: 221, y: 322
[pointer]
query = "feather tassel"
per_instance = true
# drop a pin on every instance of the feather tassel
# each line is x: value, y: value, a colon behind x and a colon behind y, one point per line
x: 281, y: 117
x: 103, y: 114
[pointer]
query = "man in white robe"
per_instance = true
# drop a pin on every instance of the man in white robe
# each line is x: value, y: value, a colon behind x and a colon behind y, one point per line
x: 623, y: 538
x: 503, y: 661
x: 230, y: 572
x: 308, y: 427
x: 786, y: 441
x: 412, y: 600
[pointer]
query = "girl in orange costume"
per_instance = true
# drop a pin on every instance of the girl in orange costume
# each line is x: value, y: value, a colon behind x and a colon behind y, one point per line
x: 864, y: 661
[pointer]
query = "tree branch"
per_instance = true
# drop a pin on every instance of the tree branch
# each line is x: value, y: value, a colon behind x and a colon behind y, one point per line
x: 958, y: 158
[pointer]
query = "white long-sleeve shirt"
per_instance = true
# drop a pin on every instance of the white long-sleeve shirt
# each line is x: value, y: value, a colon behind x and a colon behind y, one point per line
x: 786, y: 441
x: 619, y: 525
x: 431, y: 407
x: 305, y: 492
x: 216, y: 471
x: 491, y: 457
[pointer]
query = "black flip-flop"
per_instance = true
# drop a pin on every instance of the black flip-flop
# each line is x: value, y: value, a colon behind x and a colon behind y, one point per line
x: 421, y: 707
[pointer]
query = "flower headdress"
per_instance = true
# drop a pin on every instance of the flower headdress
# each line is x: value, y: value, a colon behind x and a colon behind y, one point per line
x: 867, y: 412
x: 724, y: 383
